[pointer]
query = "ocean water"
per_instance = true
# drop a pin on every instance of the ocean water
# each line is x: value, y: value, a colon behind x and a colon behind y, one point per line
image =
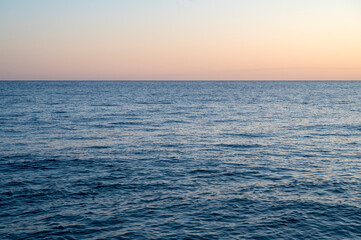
x: 180, y: 160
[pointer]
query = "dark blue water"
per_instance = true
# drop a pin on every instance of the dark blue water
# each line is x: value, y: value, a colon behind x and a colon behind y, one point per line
x: 180, y: 160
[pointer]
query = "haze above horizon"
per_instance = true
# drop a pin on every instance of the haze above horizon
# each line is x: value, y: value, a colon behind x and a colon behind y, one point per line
x: 180, y: 40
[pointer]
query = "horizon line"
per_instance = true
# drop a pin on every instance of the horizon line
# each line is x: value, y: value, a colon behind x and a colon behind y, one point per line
x: 177, y: 80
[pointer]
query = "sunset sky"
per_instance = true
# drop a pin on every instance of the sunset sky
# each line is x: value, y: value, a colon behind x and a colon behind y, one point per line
x: 180, y: 40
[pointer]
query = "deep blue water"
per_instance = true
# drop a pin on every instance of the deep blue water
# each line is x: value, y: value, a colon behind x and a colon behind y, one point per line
x: 180, y: 160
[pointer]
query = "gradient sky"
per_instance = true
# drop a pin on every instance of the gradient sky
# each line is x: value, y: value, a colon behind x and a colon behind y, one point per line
x: 180, y: 39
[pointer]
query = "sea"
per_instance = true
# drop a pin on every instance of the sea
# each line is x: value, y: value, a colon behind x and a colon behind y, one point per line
x: 180, y: 160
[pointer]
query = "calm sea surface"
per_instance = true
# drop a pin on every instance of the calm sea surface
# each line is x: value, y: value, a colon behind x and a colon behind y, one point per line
x: 180, y: 160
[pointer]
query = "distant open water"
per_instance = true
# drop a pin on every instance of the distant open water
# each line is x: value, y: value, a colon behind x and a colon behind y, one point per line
x: 180, y: 160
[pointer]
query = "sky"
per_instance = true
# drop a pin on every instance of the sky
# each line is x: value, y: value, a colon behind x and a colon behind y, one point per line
x: 180, y: 40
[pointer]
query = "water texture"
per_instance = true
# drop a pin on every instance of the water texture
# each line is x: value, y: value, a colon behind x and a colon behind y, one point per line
x: 180, y: 160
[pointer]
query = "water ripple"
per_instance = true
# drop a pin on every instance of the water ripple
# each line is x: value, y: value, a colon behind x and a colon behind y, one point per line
x: 180, y: 160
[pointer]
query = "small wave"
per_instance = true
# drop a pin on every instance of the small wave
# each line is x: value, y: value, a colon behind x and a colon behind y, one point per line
x: 174, y: 121
x: 240, y: 146
x: 126, y: 123
x: 102, y: 126
x: 245, y: 135
x: 203, y: 171
x: 106, y: 105
x: 98, y: 147
x: 155, y: 103
x: 60, y: 112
